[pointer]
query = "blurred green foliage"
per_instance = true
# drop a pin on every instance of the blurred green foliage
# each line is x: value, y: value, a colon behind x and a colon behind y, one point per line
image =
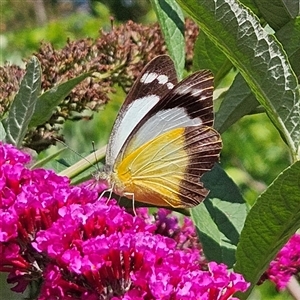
x: 22, y: 43
x: 253, y: 154
x: 20, y: 35
x: 267, y: 291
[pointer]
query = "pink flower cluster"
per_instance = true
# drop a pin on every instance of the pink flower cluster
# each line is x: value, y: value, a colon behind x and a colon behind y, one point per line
x: 286, y: 264
x: 80, y: 247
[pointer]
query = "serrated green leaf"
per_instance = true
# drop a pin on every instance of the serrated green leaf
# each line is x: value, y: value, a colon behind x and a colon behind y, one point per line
x: 22, y: 108
x: 289, y: 36
x: 220, y: 218
x: 238, y: 102
x: 48, y: 101
x: 208, y: 56
x: 258, y: 56
x: 270, y: 223
x: 171, y: 21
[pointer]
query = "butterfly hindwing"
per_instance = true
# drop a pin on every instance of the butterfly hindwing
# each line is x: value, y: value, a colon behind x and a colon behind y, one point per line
x: 166, y: 170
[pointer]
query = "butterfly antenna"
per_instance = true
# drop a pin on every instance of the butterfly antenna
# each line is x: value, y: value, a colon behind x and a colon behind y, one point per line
x: 80, y: 155
x: 96, y: 159
x: 83, y: 164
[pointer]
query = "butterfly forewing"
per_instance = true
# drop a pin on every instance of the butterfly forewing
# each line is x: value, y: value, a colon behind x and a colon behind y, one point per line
x: 189, y: 103
x: 154, y: 82
x: 195, y: 95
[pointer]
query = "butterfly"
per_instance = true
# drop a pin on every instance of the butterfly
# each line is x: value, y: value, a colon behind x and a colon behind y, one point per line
x: 162, y: 140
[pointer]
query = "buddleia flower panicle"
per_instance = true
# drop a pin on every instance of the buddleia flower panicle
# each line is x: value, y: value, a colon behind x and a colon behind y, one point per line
x: 285, y: 265
x: 79, y: 247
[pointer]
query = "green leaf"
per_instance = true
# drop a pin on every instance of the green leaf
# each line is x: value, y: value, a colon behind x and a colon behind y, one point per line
x: 275, y: 12
x: 42, y: 162
x: 220, y: 218
x: 171, y: 21
x: 208, y: 56
x: 48, y: 101
x: 238, y: 102
x: 258, y: 56
x: 292, y: 7
x: 2, y: 132
x: 251, y: 5
x: 270, y: 223
x: 289, y: 36
x: 22, y: 108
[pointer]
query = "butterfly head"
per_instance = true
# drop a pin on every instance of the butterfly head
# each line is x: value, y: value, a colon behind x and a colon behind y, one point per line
x: 110, y: 179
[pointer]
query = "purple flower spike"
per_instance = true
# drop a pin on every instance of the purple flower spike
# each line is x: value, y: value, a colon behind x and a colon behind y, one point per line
x: 80, y: 247
x: 286, y: 264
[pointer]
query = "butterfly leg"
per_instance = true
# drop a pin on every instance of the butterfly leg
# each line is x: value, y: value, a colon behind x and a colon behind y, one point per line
x: 131, y: 195
x: 105, y: 191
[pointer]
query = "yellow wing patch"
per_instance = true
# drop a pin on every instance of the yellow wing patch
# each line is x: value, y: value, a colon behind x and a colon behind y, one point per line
x: 166, y: 170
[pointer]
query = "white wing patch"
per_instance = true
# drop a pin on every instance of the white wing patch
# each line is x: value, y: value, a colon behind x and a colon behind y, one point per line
x: 148, y: 77
x: 183, y: 90
x: 159, y: 123
x: 134, y: 112
x: 162, y: 79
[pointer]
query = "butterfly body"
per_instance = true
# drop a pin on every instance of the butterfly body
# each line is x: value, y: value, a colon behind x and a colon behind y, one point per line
x: 165, y: 139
